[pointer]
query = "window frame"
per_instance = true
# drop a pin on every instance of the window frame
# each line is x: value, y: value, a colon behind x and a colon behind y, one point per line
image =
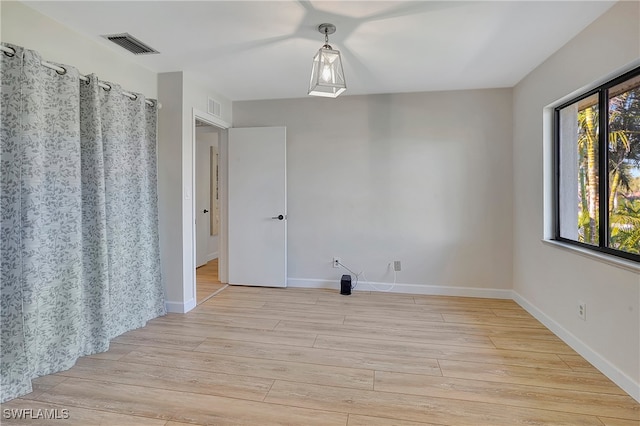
x: 603, y: 172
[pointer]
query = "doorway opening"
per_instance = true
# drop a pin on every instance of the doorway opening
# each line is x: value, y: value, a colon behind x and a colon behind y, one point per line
x: 207, y: 210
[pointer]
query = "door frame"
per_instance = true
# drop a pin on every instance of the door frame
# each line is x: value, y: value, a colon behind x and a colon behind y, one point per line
x: 189, y: 206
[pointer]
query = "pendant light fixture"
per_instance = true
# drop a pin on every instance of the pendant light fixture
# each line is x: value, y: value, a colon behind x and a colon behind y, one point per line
x: 327, y: 76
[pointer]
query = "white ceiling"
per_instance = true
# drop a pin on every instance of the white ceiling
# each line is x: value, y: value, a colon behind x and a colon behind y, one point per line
x: 263, y: 49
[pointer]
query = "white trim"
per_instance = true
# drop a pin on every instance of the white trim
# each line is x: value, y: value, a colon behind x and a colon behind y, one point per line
x: 179, y: 307
x: 212, y: 256
x: 223, y: 203
x: 595, y: 255
x: 210, y: 119
x: 598, y: 361
x: 313, y: 283
x: 432, y: 290
x: 189, y: 207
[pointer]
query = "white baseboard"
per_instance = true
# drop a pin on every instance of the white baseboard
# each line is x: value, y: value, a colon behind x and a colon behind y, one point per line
x: 180, y: 307
x: 212, y: 256
x: 432, y: 290
x: 310, y: 283
x: 598, y: 361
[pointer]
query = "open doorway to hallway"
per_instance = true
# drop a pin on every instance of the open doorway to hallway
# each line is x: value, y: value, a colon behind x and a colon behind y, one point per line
x: 207, y: 211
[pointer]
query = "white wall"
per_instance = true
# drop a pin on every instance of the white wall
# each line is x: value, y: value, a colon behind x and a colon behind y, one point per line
x: 550, y: 280
x: 28, y: 28
x: 170, y: 187
x: 196, y: 95
x: 175, y: 190
x: 422, y: 178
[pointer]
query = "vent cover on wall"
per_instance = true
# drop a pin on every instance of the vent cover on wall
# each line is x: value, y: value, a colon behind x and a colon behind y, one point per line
x: 132, y: 44
x: 213, y: 107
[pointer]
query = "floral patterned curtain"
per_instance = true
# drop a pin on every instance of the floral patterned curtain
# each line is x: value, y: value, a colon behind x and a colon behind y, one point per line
x: 79, y: 248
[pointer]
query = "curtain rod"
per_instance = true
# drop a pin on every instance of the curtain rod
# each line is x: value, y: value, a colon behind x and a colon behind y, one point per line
x: 61, y: 70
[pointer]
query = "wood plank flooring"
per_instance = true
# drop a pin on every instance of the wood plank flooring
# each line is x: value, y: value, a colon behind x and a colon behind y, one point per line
x: 264, y: 356
x: 207, y: 281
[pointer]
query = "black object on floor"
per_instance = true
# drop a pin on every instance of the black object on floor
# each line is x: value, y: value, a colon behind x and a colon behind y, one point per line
x: 345, y: 285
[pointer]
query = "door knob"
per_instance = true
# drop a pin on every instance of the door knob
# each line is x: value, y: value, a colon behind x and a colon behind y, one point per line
x: 205, y: 211
x: 279, y: 217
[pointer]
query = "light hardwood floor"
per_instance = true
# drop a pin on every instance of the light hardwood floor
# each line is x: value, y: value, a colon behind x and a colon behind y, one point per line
x: 207, y: 281
x: 262, y: 356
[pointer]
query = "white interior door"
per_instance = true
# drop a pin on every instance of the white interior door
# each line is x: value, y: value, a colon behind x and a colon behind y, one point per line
x: 257, y: 206
x: 202, y: 202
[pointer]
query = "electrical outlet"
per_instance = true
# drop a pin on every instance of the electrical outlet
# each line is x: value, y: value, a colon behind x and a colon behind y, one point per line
x: 397, y: 266
x: 582, y: 310
x: 336, y: 262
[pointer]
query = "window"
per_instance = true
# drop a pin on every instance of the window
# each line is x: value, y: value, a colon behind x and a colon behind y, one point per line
x: 597, y: 165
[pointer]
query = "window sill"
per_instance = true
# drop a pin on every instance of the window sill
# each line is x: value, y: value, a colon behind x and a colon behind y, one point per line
x: 611, y: 260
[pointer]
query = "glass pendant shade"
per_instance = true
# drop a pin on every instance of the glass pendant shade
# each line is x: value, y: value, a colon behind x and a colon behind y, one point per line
x: 327, y: 76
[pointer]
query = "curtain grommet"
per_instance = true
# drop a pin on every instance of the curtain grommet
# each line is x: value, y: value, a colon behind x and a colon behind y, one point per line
x: 134, y: 98
x: 106, y: 89
x: 10, y: 54
x: 63, y: 72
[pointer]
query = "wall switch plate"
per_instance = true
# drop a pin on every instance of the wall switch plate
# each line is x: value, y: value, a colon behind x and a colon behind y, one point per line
x: 397, y: 266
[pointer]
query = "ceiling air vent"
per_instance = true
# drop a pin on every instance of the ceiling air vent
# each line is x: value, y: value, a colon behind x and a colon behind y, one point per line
x: 132, y: 44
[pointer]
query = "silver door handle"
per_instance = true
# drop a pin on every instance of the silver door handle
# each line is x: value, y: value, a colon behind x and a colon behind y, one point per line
x: 279, y: 217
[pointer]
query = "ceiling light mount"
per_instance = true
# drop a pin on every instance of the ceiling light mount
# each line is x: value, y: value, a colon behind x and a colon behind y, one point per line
x: 326, y: 29
x: 327, y: 76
